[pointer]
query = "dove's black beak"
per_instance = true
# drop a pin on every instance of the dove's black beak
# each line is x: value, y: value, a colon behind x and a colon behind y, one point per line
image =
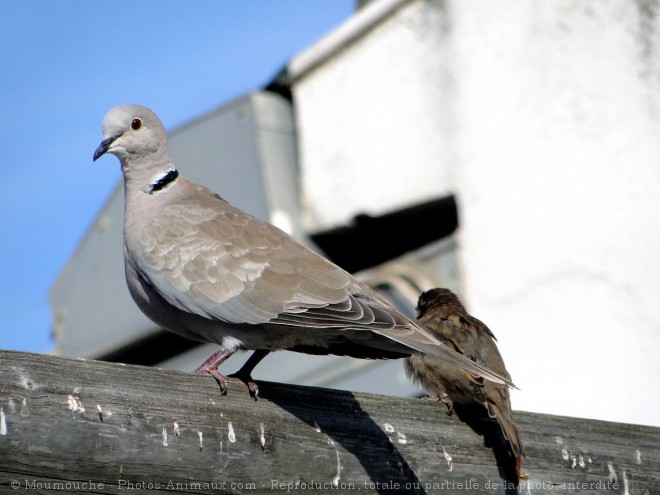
x: 103, y: 147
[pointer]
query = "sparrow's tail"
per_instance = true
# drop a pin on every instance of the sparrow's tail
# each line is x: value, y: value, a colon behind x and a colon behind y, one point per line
x: 505, y: 419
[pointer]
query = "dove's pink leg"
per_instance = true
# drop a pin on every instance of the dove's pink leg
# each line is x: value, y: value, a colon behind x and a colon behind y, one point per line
x: 210, y: 366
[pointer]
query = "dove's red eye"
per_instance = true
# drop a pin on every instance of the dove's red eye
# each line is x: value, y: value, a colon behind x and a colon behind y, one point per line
x: 136, y: 125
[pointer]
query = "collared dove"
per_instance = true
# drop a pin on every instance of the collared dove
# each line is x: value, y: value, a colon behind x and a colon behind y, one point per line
x: 200, y: 267
x: 442, y: 314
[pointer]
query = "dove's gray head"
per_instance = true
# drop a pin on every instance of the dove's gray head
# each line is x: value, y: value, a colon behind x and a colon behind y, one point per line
x: 133, y: 133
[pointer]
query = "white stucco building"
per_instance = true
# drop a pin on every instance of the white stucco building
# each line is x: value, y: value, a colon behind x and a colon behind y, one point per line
x: 543, y: 119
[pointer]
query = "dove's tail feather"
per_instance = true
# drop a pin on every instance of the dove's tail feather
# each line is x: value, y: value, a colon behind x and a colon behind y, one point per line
x: 446, y: 354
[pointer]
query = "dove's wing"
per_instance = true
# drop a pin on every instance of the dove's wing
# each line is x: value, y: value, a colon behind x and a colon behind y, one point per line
x: 208, y: 258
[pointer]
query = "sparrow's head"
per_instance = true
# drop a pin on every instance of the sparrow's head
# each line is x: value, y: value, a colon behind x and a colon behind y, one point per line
x: 441, y: 299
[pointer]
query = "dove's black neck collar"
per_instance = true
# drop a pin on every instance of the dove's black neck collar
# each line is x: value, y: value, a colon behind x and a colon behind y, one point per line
x: 164, y: 181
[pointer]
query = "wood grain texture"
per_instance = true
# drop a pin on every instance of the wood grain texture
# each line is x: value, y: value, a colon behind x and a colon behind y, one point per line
x: 76, y: 426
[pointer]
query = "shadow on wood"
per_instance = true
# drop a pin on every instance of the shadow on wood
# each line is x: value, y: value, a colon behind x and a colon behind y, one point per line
x: 76, y: 426
x: 476, y: 417
x: 344, y: 425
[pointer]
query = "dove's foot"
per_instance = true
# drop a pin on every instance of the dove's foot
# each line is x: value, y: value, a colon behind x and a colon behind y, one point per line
x: 210, y: 366
x: 245, y: 373
x: 221, y: 379
x: 252, y: 386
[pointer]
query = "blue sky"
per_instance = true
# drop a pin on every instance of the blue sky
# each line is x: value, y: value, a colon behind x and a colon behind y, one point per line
x: 64, y: 64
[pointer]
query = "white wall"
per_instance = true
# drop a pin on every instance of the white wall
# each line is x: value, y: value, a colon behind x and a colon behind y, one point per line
x: 544, y: 118
x: 371, y: 120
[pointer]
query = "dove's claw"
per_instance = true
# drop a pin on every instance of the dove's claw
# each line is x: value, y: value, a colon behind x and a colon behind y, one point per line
x: 252, y: 386
x: 244, y: 374
x: 221, y: 379
x: 210, y: 366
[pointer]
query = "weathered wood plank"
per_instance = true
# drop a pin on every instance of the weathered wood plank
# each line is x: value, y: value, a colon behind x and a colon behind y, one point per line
x: 87, y: 423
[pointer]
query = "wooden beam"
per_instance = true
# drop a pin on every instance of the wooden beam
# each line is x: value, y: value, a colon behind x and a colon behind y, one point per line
x: 76, y: 426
